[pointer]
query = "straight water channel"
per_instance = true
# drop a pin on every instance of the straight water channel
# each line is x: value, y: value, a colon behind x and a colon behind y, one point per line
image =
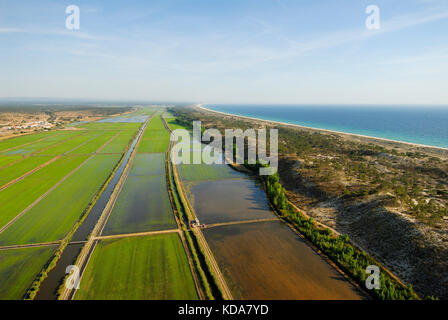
x: 49, y: 287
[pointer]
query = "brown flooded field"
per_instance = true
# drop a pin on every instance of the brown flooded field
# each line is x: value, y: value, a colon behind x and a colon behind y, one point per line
x: 267, y: 260
x: 229, y: 200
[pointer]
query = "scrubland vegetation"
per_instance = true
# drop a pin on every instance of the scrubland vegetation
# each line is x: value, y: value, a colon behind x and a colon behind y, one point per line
x: 390, y: 198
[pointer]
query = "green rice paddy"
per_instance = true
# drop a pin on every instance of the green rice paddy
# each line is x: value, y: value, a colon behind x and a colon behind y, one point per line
x: 146, y: 268
x: 120, y: 142
x: 7, y: 160
x: 20, y: 168
x: 143, y: 205
x: 22, y: 140
x: 18, y: 268
x: 54, y: 216
x: 150, y: 267
x: 156, y: 138
x: 20, y: 195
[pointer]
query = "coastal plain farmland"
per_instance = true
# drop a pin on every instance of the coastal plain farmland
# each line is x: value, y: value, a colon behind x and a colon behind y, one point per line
x: 71, y: 144
x: 139, y: 265
x: 228, y: 200
x: 267, y: 260
x: 149, y: 268
x: 19, y: 168
x: 143, y: 204
x: 45, y: 221
x: 56, y: 191
x: 156, y: 137
x: 96, y: 142
x: 7, y: 160
x: 34, y: 186
x: 16, y: 142
x: 120, y: 142
x: 143, y: 245
x: 18, y: 268
x: 259, y: 259
x: 54, y: 139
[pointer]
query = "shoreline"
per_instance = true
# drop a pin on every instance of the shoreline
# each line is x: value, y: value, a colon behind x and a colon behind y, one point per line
x: 200, y: 106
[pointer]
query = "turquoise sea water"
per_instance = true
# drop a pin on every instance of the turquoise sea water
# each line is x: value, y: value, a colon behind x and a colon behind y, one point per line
x: 422, y: 125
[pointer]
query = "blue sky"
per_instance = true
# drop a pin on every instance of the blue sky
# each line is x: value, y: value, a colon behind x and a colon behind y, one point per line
x: 216, y: 51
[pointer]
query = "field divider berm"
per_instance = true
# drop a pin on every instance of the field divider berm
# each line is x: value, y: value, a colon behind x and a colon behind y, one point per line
x: 23, y: 176
x: 25, y: 144
x: 136, y: 234
x: 43, y: 165
x: 6, y: 226
x: 231, y: 223
x: 58, y: 143
x: 191, y: 214
x: 199, y: 281
x: 86, y: 252
x: 31, y: 245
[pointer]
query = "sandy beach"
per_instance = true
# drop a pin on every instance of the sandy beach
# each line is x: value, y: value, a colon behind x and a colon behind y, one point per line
x: 439, y: 151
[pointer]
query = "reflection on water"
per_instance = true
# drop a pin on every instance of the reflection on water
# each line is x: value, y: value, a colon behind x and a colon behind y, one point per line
x: 49, y: 287
x: 229, y: 200
x: 267, y: 260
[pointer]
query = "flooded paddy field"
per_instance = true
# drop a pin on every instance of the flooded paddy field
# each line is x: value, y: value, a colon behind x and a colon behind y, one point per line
x: 125, y: 119
x: 117, y: 126
x: 18, y: 268
x: 150, y: 267
x: 267, y: 260
x: 143, y: 205
x: 55, y: 215
x: 148, y: 164
x: 229, y: 200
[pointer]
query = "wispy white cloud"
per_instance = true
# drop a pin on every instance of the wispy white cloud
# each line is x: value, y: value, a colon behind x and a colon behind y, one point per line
x: 337, y: 38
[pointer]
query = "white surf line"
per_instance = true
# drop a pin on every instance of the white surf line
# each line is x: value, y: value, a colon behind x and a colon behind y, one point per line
x: 52, y: 188
x: 325, y: 130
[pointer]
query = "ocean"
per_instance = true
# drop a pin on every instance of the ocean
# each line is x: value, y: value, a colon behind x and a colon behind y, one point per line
x: 421, y: 125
